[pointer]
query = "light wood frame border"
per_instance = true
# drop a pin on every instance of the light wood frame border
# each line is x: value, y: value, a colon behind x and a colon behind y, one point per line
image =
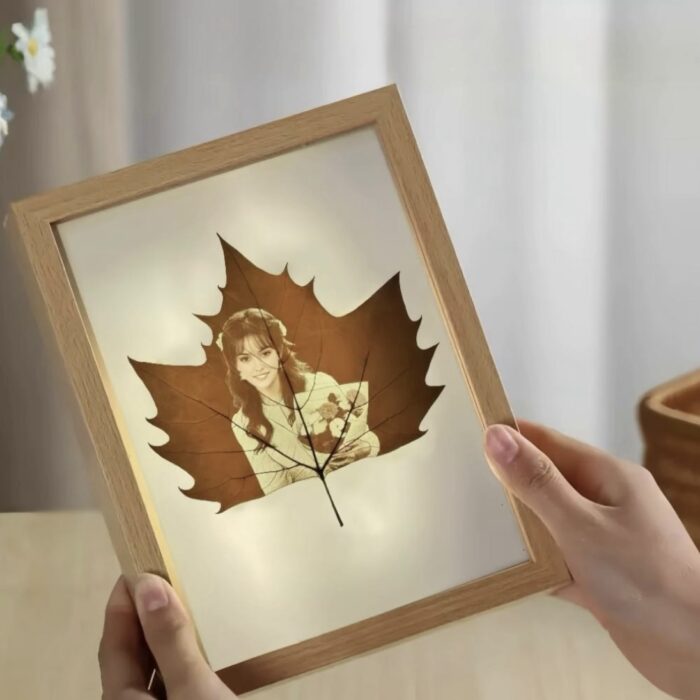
x: 131, y: 521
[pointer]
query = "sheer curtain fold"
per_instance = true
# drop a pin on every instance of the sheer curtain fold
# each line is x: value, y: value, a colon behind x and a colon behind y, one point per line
x: 75, y: 129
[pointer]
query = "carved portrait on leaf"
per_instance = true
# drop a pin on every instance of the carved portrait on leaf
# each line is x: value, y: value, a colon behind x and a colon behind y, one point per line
x: 288, y: 391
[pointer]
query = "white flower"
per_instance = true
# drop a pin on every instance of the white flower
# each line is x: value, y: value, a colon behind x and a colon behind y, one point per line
x: 5, y: 117
x: 334, y: 425
x: 35, y: 46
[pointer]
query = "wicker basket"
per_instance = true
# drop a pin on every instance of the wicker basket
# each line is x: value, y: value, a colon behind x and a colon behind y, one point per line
x: 670, y: 420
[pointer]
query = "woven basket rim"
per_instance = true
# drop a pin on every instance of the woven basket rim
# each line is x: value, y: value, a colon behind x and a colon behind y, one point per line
x: 653, y: 407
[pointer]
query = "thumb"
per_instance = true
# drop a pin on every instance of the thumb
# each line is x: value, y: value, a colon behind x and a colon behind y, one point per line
x: 169, y: 634
x: 532, y: 476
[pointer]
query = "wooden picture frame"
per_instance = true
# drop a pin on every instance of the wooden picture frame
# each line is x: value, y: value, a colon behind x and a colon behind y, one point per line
x: 130, y: 516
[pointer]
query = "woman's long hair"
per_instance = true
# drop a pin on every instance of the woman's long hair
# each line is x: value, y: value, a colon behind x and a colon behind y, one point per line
x: 268, y: 331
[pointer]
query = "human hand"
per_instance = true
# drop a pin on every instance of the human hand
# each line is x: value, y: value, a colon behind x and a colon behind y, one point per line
x: 157, y: 621
x: 351, y: 452
x: 634, y: 566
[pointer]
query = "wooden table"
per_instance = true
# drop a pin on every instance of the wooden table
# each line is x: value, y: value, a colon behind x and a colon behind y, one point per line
x: 56, y: 570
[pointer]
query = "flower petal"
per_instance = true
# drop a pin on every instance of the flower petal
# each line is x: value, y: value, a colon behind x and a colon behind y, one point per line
x: 41, y: 17
x: 41, y: 30
x: 20, y: 31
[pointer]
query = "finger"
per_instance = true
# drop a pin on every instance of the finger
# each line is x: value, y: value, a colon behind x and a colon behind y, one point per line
x: 169, y: 633
x: 122, y: 654
x: 532, y: 477
x: 594, y: 473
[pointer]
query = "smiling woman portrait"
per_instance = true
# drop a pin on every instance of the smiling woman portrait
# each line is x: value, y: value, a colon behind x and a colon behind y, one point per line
x: 270, y: 423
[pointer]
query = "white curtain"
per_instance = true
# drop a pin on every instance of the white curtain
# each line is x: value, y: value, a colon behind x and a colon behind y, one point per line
x: 70, y: 132
x: 560, y: 138
x: 653, y: 225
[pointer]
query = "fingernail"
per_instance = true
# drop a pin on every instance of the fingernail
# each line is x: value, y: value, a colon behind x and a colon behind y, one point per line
x: 150, y: 593
x: 501, y: 446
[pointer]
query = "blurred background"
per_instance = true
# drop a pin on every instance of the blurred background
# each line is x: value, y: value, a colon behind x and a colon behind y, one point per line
x: 561, y: 137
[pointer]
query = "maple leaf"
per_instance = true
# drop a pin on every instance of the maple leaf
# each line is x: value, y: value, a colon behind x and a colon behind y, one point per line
x: 288, y: 391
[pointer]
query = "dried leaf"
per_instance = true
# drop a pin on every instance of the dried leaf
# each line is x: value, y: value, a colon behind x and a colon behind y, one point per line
x: 354, y: 382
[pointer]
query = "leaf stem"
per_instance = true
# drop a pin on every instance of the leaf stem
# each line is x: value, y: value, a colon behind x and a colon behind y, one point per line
x: 8, y: 48
x: 330, y: 498
x: 14, y: 54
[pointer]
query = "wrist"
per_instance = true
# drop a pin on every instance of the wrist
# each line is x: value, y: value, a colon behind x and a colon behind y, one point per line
x: 694, y: 616
x: 688, y: 659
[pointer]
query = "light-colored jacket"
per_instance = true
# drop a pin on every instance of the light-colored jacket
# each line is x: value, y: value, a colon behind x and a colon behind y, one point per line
x: 287, y: 460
